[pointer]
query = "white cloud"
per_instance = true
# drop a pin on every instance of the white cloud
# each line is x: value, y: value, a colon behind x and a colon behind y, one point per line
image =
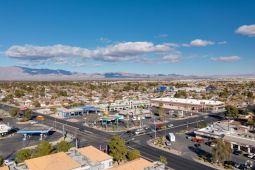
x: 60, y: 61
x: 31, y: 52
x: 162, y: 36
x: 200, y: 43
x: 222, y: 42
x: 248, y: 30
x: 98, y: 65
x: 124, y: 51
x: 104, y: 40
x: 226, y: 58
x: 172, y: 58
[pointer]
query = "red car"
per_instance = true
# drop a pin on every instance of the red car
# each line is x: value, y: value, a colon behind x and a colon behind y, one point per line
x: 198, y: 140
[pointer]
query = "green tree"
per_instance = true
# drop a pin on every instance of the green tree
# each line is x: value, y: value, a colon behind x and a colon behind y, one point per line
x: 1, y: 160
x: 251, y: 123
x: 14, y: 112
x: 250, y: 94
x: 222, y: 151
x: 133, y: 154
x: 28, y: 114
x: 19, y: 93
x: 62, y: 93
x: 42, y: 149
x: 23, y: 155
x: 232, y: 111
x: 163, y: 159
x: 7, y: 98
x: 118, y: 149
x: 36, y: 103
x: 180, y: 94
x: 63, y: 146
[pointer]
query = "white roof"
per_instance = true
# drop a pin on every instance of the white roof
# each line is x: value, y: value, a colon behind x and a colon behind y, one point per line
x: 62, y: 109
x: 187, y: 101
x: 4, y: 128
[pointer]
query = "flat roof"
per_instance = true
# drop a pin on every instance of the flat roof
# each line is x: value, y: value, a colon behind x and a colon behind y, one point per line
x: 137, y: 164
x: 94, y: 154
x: 187, y: 101
x: 240, y: 140
x: 35, y: 129
x: 76, y: 109
x: 52, y: 162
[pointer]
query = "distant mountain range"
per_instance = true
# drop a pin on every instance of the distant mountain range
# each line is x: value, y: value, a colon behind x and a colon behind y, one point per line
x: 29, y: 74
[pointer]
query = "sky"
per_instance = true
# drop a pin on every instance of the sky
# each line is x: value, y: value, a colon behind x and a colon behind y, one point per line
x: 190, y: 37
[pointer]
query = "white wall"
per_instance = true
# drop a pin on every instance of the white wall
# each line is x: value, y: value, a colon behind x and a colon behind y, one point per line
x: 106, y: 163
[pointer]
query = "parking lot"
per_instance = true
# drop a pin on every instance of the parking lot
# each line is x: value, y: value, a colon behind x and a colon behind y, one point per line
x: 10, y: 144
x: 192, y: 150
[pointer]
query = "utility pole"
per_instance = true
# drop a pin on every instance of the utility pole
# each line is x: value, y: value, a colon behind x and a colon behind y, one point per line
x: 76, y: 142
x: 63, y: 130
x: 155, y: 135
x: 127, y: 120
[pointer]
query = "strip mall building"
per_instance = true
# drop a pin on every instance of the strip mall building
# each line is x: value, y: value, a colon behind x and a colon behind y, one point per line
x: 188, y: 104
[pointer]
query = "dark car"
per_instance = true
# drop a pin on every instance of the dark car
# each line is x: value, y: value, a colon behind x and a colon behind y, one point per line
x: 208, y: 143
x: 232, y: 163
x: 237, y: 152
x: 197, y: 145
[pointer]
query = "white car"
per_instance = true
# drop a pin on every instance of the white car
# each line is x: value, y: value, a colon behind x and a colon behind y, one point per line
x: 251, y: 155
x: 168, y: 143
x: 8, y: 162
x: 170, y: 125
x: 139, y: 131
x: 33, y: 122
x: 134, y: 118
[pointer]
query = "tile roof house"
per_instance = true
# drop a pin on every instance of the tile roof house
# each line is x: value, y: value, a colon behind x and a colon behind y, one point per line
x: 52, y: 162
x: 95, y: 155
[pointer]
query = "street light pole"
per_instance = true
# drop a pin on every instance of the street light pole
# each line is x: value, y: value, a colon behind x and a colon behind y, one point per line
x: 155, y: 135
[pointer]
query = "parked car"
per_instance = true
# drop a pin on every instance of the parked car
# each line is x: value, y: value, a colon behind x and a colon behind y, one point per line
x: 237, y: 165
x: 213, y: 145
x: 198, y: 140
x: 8, y: 162
x: 168, y: 143
x: 237, y: 152
x: 197, y: 145
x: 33, y: 122
x: 189, y: 137
x: 208, y: 143
x: 139, y: 131
x: 170, y: 125
x: 232, y: 163
x: 251, y: 155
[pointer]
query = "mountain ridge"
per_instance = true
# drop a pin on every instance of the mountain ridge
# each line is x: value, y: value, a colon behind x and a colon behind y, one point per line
x: 25, y: 73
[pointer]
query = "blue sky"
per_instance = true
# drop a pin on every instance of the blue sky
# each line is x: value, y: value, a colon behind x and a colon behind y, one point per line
x: 145, y: 36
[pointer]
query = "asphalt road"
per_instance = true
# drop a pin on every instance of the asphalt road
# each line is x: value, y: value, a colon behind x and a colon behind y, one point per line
x: 96, y: 138
x: 174, y: 161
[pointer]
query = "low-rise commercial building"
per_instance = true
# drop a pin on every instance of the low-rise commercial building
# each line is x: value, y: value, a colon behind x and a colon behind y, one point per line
x: 188, y: 104
x: 124, y: 105
x: 68, y: 113
x: 238, y: 136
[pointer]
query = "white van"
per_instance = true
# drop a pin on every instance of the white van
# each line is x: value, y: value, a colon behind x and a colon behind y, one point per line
x: 171, y: 137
